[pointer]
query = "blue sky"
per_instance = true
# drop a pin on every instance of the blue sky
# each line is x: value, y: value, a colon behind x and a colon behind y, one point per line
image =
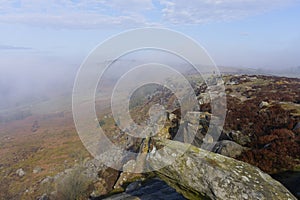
x: 240, y: 33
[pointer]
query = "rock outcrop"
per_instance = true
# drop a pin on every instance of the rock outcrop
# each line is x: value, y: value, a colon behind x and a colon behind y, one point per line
x: 199, y: 174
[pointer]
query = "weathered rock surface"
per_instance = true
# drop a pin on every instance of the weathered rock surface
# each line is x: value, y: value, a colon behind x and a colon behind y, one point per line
x: 228, y: 148
x: 199, y: 174
x: 126, y: 176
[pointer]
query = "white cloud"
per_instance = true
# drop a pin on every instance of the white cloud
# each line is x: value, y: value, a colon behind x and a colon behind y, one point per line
x: 129, y: 13
x: 131, y: 6
x: 11, y: 47
x: 72, y: 20
x: 75, y: 14
x: 197, y: 12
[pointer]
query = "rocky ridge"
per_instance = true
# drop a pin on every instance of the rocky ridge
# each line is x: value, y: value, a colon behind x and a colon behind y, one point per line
x: 259, y: 121
x: 261, y: 128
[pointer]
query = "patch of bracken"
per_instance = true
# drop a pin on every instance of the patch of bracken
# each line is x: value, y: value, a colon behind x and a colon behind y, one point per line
x: 274, y: 146
x: 275, y: 152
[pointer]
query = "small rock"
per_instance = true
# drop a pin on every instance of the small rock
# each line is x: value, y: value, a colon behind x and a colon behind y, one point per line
x: 297, y: 126
x: 232, y: 82
x: 263, y: 104
x: 228, y: 148
x: 37, y: 170
x: 20, y: 172
x: 239, y: 137
x: 44, y: 197
x: 204, y: 98
x: 46, y: 180
x: 133, y: 186
x: 172, y: 116
x: 245, y: 196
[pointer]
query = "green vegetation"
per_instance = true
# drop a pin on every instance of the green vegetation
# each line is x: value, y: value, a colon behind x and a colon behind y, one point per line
x: 74, y: 186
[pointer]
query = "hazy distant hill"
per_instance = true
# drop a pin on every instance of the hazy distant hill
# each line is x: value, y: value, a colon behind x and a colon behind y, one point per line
x: 239, y: 70
x: 290, y: 72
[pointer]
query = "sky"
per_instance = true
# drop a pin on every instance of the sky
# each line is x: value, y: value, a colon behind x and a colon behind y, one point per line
x: 43, y: 40
x: 241, y: 33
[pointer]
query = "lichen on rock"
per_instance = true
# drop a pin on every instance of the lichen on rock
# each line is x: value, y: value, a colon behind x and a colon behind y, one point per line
x: 200, y: 174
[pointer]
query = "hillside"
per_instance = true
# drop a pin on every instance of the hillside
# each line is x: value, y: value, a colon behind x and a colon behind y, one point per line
x: 40, y: 150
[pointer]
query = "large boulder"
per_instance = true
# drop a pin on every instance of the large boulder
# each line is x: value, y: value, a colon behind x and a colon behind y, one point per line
x: 200, y: 174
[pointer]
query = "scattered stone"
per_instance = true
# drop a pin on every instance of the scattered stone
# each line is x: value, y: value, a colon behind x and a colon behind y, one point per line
x: 37, y: 170
x: 204, y: 98
x: 44, y: 197
x: 263, y: 104
x: 239, y: 137
x: 20, y: 172
x: 297, y: 126
x: 233, y: 81
x: 46, y: 180
x: 253, y: 78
